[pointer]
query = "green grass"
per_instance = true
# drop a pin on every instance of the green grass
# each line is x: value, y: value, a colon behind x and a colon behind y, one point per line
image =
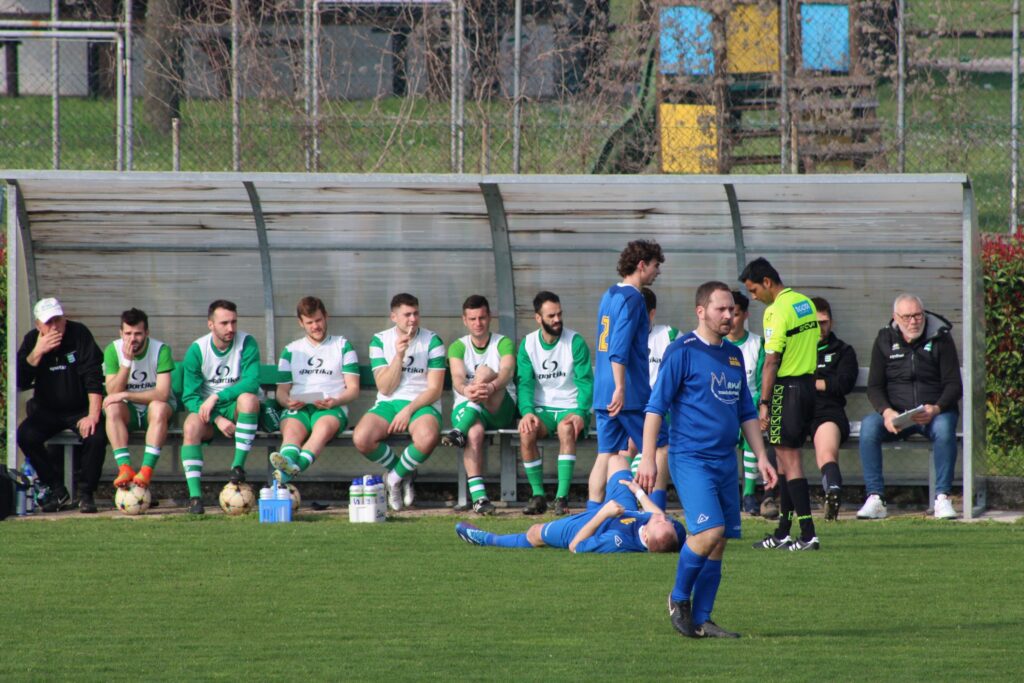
x: 173, y: 598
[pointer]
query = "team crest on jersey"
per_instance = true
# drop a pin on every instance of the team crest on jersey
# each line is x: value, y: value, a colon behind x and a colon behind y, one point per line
x: 627, y: 520
x: 725, y: 391
x: 71, y: 357
x: 735, y: 362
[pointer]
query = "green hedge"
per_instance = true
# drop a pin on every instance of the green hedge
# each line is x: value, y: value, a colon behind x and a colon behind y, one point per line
x: 1003, y: 264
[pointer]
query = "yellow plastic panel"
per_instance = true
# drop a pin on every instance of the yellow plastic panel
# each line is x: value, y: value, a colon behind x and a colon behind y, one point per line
x: 752, y: 39
x: 689, y: 138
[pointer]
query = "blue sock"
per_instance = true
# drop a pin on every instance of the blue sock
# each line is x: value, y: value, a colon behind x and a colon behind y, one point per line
x: 509, y: 541
x: 659, y: 498
x: 689, y: 567
x: 705, y: 590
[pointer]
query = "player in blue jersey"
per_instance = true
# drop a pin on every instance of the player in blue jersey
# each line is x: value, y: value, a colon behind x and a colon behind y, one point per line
x: 621, y: 368
x: 702, y: 385
x: 626, y: 522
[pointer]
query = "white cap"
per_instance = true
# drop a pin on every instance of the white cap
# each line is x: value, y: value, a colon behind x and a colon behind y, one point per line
x: 45, y: 309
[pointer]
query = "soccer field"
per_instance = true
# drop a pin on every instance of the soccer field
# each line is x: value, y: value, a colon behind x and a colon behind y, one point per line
x: 176, y: 598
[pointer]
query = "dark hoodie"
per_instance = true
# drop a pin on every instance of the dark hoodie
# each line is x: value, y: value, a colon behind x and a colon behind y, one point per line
x: 837, y: 366
x: 905, y: 375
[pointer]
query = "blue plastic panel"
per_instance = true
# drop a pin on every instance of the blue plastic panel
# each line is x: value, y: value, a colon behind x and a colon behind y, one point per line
x: 686, y: 41
x: 825, y: 32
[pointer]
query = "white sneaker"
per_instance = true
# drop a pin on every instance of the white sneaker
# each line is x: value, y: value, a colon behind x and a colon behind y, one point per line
x: 944, y: 507
x: 394, y: 492
x: 408, y: 492
x: 873, y: 508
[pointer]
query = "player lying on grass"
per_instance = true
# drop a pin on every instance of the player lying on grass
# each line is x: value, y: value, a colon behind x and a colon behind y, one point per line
x: 617, y: 526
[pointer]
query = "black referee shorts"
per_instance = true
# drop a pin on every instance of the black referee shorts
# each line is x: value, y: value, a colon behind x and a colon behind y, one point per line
x: 791, y: 412
x: 837, y: 415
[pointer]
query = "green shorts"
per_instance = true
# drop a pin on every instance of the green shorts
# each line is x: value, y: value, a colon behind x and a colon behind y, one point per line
x: 309, y: 414
x: 137, y: 417
x: 389, y: 409
x: 505, y: 416
x: 550, y: 417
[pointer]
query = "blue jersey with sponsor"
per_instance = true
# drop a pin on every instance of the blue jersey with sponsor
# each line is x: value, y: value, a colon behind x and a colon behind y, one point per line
x: 623, y: 327
x: 704, y: 389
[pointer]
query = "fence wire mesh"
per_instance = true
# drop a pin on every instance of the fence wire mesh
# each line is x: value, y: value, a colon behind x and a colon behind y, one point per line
x: 606, y: 86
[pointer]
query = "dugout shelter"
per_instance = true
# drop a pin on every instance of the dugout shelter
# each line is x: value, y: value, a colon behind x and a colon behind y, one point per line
x: 169, y: 243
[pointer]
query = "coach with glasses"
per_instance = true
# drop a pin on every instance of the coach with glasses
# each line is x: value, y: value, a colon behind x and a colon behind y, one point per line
x: 913, y: 363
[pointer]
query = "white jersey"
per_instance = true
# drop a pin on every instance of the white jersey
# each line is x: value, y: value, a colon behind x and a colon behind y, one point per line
x: 658, y: 340
x: 220, y: 372
x: 143, y: 371
x: 425, y: 353
x: 316, y: 368
x: 751, y: 350
x: 473, y: 359
x: 553, y: 371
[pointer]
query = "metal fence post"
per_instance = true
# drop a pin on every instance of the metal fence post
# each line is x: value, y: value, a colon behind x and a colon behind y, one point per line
x: 176, y: 144
x: 517, y: 104
x: 901, y: 88
x: 306, y: 78
x: 55, y: 86
x: 129, y: 132
x: 453, y: 27
x: 1015, y: 120
x: 236, y: 133
x: 784, y: 115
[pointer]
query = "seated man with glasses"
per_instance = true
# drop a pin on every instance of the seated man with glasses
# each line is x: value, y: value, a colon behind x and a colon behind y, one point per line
x: 913, y: 363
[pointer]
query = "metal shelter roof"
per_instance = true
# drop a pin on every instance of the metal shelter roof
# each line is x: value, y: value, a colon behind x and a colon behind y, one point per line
x: 169, y: 243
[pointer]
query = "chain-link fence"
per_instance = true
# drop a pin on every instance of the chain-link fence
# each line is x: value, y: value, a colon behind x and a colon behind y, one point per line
x: 565, y: 86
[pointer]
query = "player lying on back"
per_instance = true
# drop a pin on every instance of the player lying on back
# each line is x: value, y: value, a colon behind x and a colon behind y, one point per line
x: 617, y: 526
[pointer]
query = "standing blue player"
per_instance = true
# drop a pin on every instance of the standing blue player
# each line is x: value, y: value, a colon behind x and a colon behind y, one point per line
x: 702, y: 384
x: 627, y: 522
x: 621, y: 368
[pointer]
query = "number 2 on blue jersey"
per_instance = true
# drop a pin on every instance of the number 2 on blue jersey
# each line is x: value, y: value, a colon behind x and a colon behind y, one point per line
x: 602, y: 341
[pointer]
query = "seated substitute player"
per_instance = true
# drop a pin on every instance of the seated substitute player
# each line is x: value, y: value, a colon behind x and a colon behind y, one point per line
x: 221, y: 387
x: 324, y: 370
x: 628, y: 522
x: 752, y: 347
x: 408, y: 368
x: 138, y: 378
x: 555, y: 386
x: 703, y: 385
x: 483, y: 365
x: 834, y: 379
x: 622, y: 383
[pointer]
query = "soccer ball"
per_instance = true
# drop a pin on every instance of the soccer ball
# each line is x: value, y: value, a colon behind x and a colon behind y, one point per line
x: 236, y: 499
x: 296, y: 497
x: 133, y: 500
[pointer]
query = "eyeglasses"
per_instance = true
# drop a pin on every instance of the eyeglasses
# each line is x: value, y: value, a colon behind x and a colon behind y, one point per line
x: 916, y: 317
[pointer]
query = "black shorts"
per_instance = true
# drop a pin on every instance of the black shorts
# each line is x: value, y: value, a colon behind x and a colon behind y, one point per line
x: 791, y: 411
x: 837, y: 416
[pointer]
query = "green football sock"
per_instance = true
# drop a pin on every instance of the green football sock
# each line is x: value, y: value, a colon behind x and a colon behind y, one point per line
x: 192, y: 461
x: 306, y: 458
x: 290, y: 452
x: 535, y: 475
x: 122, y: 457
x: 634, y: 464
x: 566, y: 465
x: 151, y: 455
x: 383, y: 456
x: 469, y: 413
x: 245, y: 432
x: 749, y: 473
x: 411, y: 459
x: 476, y: 488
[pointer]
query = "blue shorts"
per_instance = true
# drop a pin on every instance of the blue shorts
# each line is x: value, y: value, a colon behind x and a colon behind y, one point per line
x: 709, y: 491
x: 559, y: 534
x: 614, y: 433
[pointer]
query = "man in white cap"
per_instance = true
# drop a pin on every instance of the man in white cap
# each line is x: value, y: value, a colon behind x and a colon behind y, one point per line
x: 61, y: 360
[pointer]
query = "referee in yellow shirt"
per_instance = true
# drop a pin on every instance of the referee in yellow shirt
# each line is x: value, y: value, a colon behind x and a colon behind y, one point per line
x: 787, y: 396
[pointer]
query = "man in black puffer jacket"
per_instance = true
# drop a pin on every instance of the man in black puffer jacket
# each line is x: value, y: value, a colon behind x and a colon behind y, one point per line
x: 834, y: 379
x: 913, y: 363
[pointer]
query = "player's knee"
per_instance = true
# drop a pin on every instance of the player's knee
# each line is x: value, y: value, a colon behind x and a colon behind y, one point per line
x: 534, y: 536
x: 363, y: 440
x: 159, y: 411
x: 704, y: 543
x: 192, y: 430
x: 476, y: 436
x: 248, y: 403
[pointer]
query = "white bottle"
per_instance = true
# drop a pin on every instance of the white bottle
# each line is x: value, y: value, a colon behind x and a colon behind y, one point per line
x: 355, y: 499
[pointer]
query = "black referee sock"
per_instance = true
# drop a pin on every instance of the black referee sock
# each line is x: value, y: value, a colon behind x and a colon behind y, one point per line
x: 801, y: 496
x: 831, y: 477
x: 785, y: 509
